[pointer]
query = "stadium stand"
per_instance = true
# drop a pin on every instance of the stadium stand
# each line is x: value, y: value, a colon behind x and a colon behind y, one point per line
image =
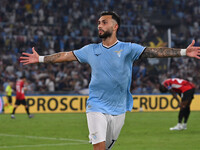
x: 53, y: 26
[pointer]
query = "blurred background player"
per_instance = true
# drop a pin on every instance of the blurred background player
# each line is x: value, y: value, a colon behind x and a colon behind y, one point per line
x: 9, y: 91
x: 20, y: 97
x: 186, y: 91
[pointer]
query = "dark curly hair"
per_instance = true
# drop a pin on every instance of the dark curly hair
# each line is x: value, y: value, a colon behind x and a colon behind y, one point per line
x: 114, y: 15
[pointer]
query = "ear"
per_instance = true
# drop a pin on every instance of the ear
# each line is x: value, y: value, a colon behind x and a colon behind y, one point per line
x: 116, y: 27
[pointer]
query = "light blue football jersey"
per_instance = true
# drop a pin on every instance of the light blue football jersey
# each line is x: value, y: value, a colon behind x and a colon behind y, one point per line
x: 109, y: 88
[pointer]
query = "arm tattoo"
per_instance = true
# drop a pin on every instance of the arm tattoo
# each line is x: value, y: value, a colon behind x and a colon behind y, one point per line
x: 161, y: 52
x: 52, y: 58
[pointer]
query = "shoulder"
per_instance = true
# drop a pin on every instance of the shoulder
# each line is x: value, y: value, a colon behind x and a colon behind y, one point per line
x: 124, y: 43
x: 90, y: 46
x: 131, y: 45
x: 94, y: 45
x: 20, y: 82
x: 127, y: 43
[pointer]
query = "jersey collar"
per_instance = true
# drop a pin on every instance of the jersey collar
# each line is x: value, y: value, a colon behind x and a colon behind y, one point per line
x: 111, y: 45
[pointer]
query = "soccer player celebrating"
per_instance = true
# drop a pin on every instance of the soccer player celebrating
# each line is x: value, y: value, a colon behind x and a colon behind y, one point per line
x: 109, y: 90
x: 186, y: 91
x: 20, y: 97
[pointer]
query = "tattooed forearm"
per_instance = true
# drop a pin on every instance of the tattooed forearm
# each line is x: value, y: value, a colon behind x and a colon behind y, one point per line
x: 52, y: 58
x: 60, y: 57
x: 161, y: 52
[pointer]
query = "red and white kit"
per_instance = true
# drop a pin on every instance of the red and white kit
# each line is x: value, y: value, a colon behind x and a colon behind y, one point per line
x: 178, y: 85
x: 20, y: 90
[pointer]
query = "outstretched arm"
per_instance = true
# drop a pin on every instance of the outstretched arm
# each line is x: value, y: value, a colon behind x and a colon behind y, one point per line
x: 54, y: 58
x: 191, y: 51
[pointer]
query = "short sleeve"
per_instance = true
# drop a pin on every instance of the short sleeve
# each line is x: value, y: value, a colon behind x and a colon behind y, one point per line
x: 136, y: 50
x: 83, y: 53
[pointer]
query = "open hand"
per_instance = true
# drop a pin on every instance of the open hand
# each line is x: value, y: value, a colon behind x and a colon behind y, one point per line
x: 193, y: 51
x: 31, y: 58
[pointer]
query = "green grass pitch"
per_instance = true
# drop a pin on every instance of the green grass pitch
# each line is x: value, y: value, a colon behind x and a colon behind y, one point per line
x: 142, y: 131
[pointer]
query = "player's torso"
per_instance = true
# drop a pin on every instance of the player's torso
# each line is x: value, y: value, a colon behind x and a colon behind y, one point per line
x: 180, y: 85
x: 20, y: 90
x: 111, y: 74
x: 9, y: 90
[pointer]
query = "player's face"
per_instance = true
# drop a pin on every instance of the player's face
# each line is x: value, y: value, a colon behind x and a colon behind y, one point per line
x: 106, y: 26
x: 24, y: 79
x: 11, y: 84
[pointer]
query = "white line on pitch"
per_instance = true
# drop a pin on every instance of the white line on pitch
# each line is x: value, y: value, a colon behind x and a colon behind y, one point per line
x: 41, y: 145
x: 44, y: 138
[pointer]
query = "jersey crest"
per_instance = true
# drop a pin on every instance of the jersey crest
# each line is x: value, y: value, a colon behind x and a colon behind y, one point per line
x: 119, y: 52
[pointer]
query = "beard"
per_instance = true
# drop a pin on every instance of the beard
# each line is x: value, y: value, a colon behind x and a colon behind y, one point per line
x: 105, y: 35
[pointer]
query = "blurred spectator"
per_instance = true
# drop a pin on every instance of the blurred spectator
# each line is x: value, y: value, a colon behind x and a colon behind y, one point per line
x: 65, y: 25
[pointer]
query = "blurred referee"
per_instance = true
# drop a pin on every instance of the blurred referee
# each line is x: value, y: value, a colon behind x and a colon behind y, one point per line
x: 9, y: 91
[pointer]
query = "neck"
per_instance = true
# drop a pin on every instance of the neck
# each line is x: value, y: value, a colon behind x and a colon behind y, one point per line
x: 109, y: 41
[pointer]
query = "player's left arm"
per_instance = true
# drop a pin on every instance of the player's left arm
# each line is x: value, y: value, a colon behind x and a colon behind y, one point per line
x: 25, y: 87
x: 191, y: 51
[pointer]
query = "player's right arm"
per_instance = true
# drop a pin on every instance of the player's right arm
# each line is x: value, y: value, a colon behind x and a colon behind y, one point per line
x: 160, y: 52
x: 174, y: 95
x: 54, y: 58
